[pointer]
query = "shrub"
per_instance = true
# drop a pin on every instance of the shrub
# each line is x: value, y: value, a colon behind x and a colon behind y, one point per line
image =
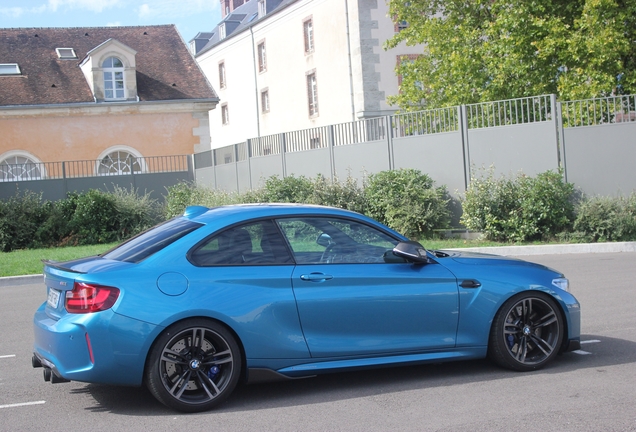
x: 407, y: 201
x: 347, y: 195
x: 135, y: 213
x: 289, y: 189
x: 607, y: 219
x: 95, y: 219
x: 518, y: 208
x: 20, y: 217
x: 184, y: 194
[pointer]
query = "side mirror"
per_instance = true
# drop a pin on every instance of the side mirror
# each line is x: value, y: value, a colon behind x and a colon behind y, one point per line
x: 411, y: 251
x: 324, y: 240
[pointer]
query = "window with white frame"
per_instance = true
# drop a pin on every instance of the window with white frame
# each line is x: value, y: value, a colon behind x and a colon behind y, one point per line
x: 308, y: 32
x: 262, y: 57
x: 222, y: 32
x: 18, y: 167
x: 262, y: 8
x: 9, y: 69
x: 65, y: 53
x: 114, y: 88
x: 119, y: 162
x: 312, y: 94
x: 265, y: 100
x: 222, y: 82
x: 225, y: 114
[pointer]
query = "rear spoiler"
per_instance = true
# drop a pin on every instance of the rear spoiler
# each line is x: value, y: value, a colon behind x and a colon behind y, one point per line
x: 64, y: 265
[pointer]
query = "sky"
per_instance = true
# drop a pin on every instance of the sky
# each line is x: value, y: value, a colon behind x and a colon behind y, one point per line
x: 189, y: 16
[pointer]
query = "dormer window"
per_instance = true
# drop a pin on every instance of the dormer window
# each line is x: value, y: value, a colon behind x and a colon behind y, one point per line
x: 114, y: 88
x: 262, y: 9
x: 9, y: 69
x: 222, y: 33
x: 65, y: 53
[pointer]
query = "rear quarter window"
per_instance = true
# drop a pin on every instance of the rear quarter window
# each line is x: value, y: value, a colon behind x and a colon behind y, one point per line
x: 152, y: 241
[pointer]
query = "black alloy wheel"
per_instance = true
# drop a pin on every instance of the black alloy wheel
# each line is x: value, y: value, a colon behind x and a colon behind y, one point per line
x: 527, y: 332
x: 193, y: 366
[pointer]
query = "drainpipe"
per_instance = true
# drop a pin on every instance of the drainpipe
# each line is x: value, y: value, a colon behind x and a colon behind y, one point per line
x: 353, y: 106
x: 258, y: 119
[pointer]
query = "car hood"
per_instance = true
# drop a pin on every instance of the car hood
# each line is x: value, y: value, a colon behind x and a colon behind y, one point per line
x: 466, y: 258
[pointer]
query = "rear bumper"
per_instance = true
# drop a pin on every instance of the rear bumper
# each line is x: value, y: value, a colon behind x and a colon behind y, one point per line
x: 118, y: 346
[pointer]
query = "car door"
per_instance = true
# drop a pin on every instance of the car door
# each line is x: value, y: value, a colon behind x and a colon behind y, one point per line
x: 352, y: 302
x: 243, y: 274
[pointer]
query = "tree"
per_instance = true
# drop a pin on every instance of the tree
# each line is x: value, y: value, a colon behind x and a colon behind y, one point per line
x: 480, y: 50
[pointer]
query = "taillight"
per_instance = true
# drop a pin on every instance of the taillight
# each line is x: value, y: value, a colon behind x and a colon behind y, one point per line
x: 87, y: 298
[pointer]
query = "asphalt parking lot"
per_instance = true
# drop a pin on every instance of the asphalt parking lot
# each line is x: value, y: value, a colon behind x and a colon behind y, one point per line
x: 588, y: 390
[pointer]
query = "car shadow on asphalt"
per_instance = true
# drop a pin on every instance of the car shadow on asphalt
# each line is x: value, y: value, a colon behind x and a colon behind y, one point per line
x: 361, y: 383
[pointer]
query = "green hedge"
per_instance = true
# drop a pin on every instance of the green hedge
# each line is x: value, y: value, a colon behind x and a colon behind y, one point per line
x: 509, y: 209
x: 405, y: 200
x: 519, y: 208
x: 90, y: 218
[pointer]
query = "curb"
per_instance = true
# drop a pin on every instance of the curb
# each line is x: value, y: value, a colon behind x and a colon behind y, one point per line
x: 530, y: 250
x: 556, y: 249
x: 20, y: 280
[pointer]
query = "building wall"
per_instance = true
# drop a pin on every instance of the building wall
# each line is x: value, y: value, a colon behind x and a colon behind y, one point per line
x: 84, y: 134
x: 354, y: 73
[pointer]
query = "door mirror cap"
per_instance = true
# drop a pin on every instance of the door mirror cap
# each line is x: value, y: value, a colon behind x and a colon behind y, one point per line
x: 412, y: 251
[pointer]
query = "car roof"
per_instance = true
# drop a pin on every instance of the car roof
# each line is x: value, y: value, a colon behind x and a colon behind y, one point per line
x: 256, y: 210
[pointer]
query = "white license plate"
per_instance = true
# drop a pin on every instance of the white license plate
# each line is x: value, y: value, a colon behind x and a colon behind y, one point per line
x: 53, y: 298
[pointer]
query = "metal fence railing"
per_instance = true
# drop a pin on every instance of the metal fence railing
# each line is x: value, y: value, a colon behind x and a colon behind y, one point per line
x: 306, y: 139
x: 366, y: 130
x: 509, y: 112
x: 266, y: 145
x: 593, y: 112
x: 425, y: 122
x: 107, y: 166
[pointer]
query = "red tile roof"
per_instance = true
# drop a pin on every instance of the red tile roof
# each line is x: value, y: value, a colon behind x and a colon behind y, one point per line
x: 165, y: 68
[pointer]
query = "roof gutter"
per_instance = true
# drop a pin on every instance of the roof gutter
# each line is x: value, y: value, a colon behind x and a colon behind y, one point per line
x: 107, y: 104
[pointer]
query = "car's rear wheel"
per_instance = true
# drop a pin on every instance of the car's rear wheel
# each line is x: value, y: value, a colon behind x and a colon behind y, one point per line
x: 527, y: 332
x: 194, y: 365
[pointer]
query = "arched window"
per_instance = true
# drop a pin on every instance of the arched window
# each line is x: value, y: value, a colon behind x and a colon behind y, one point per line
x: 120, y: 162
x: 18, y: 167
x: 114, y: 88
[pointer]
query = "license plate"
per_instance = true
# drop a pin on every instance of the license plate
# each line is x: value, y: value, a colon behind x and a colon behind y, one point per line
x: 53, y: 298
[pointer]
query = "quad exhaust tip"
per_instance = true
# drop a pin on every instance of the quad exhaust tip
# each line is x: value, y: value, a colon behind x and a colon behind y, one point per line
x: 49, y: 374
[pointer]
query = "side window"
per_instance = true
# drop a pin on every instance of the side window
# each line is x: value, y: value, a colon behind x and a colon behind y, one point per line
x: 315, y: 240
x: 256, y: 243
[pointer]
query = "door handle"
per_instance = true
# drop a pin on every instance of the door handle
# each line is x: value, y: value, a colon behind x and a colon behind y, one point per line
x: 470, y: 283
x: 316, y: 277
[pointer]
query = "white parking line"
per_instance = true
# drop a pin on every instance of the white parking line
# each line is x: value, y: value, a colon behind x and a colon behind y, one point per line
x: 590, y: 341
x: 7, y: 356
x: 22, y: 404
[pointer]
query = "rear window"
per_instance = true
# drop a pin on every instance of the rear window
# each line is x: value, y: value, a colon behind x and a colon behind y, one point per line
x: 152, y: 241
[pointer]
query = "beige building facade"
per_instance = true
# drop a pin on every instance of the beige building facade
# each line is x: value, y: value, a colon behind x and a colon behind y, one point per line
x: 114, y: 96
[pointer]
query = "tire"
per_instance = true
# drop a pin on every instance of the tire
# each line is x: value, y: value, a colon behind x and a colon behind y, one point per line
x: 527, y: 332
x: 194, y: 365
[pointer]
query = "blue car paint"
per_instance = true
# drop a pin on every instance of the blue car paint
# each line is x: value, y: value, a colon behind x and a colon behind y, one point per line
x: 266, y: 319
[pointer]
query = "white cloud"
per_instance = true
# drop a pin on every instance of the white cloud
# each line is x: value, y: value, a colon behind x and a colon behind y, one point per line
x: 171, y: 9
x: 17, y: 11
x: 91, y: 5
x: 144, y: 11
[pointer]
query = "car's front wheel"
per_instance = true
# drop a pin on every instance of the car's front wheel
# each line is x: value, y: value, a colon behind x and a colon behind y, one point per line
x: 193, y: 366
x: 527, y: 332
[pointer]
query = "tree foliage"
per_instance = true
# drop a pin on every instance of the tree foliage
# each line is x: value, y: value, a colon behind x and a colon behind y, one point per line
x: 479, y: 50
